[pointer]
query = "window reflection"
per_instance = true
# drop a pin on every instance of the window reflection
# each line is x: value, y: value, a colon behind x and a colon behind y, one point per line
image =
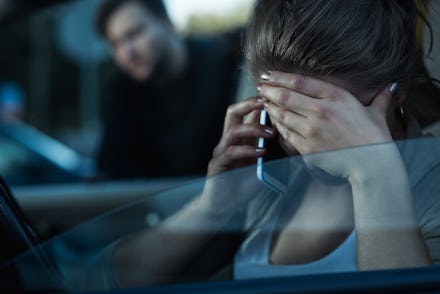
x: 269, y: 234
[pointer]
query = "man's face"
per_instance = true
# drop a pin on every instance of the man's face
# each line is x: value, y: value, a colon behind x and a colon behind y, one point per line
x: 137, y: 39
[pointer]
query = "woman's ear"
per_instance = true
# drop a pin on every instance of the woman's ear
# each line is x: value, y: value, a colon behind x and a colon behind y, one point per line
x: 401, y: 98
x: 398, y: 92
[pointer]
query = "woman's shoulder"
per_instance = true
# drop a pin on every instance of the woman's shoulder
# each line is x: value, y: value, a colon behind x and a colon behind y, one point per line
x: 420, y: 152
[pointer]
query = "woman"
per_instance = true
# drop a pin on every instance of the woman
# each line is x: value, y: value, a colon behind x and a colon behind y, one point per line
x: 333, y: 74
x: 350, y: 62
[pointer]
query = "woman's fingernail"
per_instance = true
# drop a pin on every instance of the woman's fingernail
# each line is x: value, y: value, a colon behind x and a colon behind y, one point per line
x: 259, y: 150
x: 270, y: 132
x: 259, y: 89
x: 260, y: 101
x: 266, y: 76
x: 394, y: 87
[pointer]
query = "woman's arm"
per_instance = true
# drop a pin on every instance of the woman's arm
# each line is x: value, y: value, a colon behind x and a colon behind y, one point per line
x: 312, y: 116
x: 161, y: 255
x: 388, y: 234
x: 165, y: 253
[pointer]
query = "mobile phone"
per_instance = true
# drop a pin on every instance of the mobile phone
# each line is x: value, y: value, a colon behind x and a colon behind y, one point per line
x: 271, y: 169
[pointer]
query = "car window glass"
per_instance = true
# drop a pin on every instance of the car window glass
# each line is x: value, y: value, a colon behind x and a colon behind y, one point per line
x: 83, y: 255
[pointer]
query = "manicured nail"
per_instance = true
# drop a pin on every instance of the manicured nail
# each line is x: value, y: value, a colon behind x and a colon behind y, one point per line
x: 259, y: 150
x: 259, y: 89
x: 260, y: 101
x: 270, y: 132
x: 266, y: 76
x: 394, y: 87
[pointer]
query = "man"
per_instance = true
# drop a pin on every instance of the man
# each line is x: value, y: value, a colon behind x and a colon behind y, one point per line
x: 168, y: 103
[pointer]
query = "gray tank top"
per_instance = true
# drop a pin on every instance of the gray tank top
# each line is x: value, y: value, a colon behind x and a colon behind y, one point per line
x: 252, y: 259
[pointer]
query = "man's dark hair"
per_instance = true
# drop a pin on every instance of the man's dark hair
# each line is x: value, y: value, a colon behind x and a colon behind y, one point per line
x: 108, y: 7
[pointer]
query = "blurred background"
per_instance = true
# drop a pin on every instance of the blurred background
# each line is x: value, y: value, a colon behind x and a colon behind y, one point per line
x: 52, y: 78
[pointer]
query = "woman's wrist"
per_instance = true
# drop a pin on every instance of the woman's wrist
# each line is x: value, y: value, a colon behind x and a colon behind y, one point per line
x: 381, y: 192
x: 377, y: 164
x: 222, y: 196
x: 208, y: 206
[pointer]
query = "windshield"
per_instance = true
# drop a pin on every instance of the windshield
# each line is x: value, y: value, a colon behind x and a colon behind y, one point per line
x: 247, y: 234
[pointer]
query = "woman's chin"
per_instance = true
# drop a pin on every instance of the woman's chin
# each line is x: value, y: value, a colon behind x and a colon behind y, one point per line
x: 314, y: 171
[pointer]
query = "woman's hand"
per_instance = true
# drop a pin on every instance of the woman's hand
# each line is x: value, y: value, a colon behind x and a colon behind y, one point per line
x: 237, y: 144
x: 313, y: 115
x: 225, y: 193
